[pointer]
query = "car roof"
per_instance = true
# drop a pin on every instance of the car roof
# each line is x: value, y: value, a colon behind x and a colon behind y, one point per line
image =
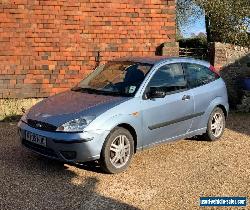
x: 158, y: 59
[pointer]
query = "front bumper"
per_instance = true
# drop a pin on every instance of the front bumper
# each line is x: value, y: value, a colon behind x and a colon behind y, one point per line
x: 66, y: 147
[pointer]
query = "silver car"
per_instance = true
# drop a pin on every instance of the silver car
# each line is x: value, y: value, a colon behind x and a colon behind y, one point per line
x: 128, y: 105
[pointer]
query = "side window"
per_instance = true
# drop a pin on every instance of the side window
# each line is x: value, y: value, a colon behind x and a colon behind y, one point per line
x: 169, y: 78
x: 198, y: 75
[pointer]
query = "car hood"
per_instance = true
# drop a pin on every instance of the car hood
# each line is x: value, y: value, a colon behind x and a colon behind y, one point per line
x: 69, y: 105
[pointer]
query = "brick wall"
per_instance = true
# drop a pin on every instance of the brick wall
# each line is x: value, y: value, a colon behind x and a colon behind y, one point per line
x: 47, y: 46
x: 234, y: 63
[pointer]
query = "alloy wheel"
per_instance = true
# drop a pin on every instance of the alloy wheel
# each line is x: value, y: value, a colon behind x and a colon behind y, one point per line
x: 120, y: 151
x: 217, y: 124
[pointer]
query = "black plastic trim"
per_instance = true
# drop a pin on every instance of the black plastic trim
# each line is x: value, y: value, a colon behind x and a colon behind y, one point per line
x: 160, y: 125
x: 72, y: 141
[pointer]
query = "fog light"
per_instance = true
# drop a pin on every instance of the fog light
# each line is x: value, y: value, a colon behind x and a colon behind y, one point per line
x: 69, y: 155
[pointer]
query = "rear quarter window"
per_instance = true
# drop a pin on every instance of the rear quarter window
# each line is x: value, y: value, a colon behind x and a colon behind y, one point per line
x: 198, y: 75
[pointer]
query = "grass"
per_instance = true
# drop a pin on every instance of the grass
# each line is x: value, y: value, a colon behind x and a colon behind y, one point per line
x: 13, y: 109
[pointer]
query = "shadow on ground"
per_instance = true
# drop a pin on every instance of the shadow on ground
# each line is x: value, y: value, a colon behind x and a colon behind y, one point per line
x: 93, y: 166
x: 32, y: 182
x: 239, y: 122
x: 11, y: 118
x: 236, y: 121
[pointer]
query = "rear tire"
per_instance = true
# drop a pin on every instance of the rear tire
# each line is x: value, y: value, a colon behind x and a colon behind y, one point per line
x: 216, y: 125
x: 117, y: 151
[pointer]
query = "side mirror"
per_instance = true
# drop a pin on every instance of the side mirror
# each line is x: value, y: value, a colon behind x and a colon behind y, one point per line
x: 155, y: 92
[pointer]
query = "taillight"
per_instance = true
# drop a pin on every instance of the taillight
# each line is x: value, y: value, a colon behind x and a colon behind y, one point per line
x: 214, y: 70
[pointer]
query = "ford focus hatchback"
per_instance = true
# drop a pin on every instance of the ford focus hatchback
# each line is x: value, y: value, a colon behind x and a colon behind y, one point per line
x: 127, y: 105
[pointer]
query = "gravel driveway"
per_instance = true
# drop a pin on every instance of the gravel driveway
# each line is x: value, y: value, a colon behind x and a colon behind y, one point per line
x: 170, y: 176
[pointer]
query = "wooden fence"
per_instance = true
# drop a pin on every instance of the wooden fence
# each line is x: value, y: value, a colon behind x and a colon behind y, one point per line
x: 198, y: 53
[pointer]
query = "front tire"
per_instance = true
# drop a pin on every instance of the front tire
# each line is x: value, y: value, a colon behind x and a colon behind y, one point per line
x: 216, y: 125
x: 117, y: 151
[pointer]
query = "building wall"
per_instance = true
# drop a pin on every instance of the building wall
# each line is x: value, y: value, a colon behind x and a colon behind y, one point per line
x: 47, y: 46
x: 234, y: 64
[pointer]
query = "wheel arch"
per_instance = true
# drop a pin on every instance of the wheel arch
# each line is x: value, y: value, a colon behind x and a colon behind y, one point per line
x: 223, y: 109
x: 132, y: 132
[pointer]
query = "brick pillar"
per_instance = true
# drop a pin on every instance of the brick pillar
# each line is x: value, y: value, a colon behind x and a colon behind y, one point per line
x: 170, y: 49
x: 217, y: 54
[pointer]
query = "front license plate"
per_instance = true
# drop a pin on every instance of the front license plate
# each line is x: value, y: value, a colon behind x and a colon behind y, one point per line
x: 37, y: 139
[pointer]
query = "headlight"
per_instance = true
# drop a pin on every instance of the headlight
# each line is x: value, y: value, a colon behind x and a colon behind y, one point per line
x: 76, y: 125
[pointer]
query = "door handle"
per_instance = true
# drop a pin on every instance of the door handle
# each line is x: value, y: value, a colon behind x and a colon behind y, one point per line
x: 186, y: 97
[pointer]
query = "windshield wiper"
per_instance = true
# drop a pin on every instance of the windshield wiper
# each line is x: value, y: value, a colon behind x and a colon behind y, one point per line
x: 76, y: 88
x: 99, y: 92
x: 81, y: 89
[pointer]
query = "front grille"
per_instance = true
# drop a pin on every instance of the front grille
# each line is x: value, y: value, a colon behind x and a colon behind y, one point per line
x: 41, y: 125
x: 38, y: 148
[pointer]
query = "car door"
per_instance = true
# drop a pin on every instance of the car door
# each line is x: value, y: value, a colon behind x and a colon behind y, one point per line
x: 171, y: 115
x: 201, y: 81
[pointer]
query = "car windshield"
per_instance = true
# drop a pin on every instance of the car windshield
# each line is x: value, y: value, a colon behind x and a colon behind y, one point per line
x: 115, y: 78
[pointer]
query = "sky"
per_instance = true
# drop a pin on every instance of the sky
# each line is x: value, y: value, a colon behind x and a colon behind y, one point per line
x: 194, y: 27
